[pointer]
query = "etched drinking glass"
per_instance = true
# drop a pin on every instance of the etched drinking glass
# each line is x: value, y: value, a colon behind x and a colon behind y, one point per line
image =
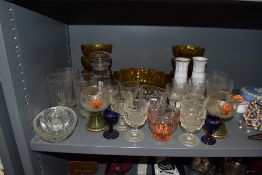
x: 192, y: 118
x: 60, y: 87
x: 118, y: 105
x: 136, y: 116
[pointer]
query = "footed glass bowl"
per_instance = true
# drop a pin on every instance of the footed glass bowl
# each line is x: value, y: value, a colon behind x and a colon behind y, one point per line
x: 142, y: 76
x: 55, y: 124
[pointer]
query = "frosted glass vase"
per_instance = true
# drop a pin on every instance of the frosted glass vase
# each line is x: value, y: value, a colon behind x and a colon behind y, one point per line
x: 198, y: 74
x: 180, y: 76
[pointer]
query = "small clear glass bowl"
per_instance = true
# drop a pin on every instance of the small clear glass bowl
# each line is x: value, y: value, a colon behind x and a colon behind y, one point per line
x: 55, y: 124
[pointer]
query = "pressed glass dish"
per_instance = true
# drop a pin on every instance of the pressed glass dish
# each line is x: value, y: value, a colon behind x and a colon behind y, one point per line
x: 55, y: 124
x: 142, y: 76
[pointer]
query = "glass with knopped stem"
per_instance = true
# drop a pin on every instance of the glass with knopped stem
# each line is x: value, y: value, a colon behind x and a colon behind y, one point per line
x: 111, y: 118
x: 118, y: 105
x: 192, y: 117
x: 95, y: 99
x: 221, y: 105
x: 136, y: 116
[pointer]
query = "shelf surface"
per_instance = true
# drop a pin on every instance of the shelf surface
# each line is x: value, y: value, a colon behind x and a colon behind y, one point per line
x: 200, y: 13
x: 85, y: 142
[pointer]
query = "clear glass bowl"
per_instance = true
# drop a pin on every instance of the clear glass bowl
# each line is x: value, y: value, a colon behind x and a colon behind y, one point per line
x: 55, y: 124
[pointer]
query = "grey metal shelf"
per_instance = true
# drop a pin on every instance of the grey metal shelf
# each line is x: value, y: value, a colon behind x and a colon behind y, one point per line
x: 85, y: 142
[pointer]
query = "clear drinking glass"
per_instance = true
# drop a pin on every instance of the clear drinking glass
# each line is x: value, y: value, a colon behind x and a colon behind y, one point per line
x: 219, y: 83
x: 176, y: 95
x: 85, y: 80
x: 118, y: 105
x: 60, y: 87
x: 130, y: 86
x: 136, y: 116
x: 192, y: 118
x: 197, y: 88
x: 153, y: 94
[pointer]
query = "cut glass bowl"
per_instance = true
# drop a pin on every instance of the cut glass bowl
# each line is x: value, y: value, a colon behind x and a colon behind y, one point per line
x: 55, y: 124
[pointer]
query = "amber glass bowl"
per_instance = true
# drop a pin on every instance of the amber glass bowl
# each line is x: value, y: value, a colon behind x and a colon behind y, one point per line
x: 187, y: 51
x: 88, y: 48
x: 142, y: 76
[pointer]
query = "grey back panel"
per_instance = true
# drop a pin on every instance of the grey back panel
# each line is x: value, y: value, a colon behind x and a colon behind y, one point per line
x: 235, y: 51
x: 34, y: 46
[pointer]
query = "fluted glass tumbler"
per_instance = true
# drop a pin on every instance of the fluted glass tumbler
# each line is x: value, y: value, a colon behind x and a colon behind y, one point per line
x: 60, y: 87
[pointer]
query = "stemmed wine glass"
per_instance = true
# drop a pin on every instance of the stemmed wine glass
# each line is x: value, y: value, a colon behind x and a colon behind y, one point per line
x: 118, y: 104
x: 111, y: 118
x: 193, y: 114
x: 220, y: 105
x: 136, y: 116
x: 95, y: 99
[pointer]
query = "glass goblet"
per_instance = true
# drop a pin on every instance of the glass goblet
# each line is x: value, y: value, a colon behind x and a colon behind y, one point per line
x: 86, y: 79
x: 118, y: 104
x: 95, y: 99
x: 136, y: 116
x: 193, y: 114
x: 223, y: 105
x: 111, y: 118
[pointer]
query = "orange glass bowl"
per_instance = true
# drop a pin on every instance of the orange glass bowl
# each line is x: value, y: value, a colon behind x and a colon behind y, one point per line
x: 163, y: 123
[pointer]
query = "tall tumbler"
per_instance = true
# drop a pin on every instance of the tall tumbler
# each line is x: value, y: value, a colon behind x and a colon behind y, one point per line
x: 60, y: 89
